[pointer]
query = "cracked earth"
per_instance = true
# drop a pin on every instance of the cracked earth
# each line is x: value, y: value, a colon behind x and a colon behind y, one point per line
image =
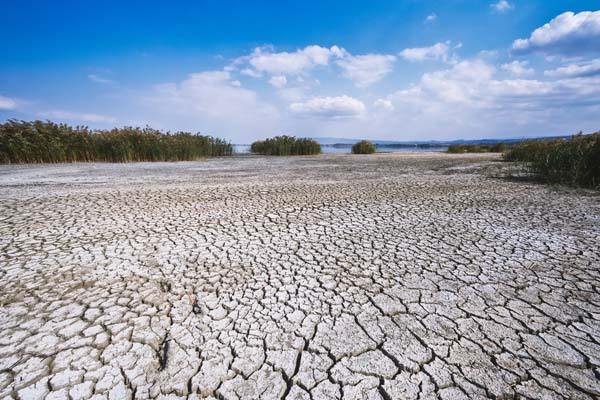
x: 393, y: 276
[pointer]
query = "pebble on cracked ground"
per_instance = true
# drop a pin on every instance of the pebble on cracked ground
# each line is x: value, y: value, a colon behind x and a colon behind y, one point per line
x: 393, y: 276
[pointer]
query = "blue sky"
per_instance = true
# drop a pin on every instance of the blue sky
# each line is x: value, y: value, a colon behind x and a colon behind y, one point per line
x: 397, y: 70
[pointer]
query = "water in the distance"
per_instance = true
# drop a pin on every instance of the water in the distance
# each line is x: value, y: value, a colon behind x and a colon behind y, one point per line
x: 245, y: 149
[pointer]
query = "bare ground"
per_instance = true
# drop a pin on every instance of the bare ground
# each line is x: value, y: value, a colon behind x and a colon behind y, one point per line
x: 393, y: 276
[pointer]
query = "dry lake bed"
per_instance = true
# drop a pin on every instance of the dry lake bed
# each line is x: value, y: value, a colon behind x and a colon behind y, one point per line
x: 392, y: 276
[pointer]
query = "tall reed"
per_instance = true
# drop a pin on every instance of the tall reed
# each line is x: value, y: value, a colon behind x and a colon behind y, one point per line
x: 574, y: 161
x: 477, y: 148
x: 286, y: 146
x: 48, y: 142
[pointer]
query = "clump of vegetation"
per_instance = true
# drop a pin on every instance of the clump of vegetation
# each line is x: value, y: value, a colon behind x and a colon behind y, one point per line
x: 47, y: 142
x: 363, y: 147
x: 286, y: 146
x: 477, y: 148
x: 528, y: 150
x: 574, y: 161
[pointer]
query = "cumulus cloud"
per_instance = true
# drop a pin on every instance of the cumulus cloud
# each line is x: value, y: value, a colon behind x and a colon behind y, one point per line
x: 7, y: 103
x: 367, y: 69
x: 472, y: 98
x: 502, y: 6
x: 292, y: 93
x: 278, y: 81
x: 431, y: 18
x: 329, y: 107
x: 247, y: 71
x: 456, y: 85
x: 209, y: 93
x: 518, y: 68
x: 209, y: 101
x: 264, y: 60
x: 469, y: 96
x: 568, y: 34
x: 76, y: 116
x: 439, y: 51
x: 383, y: 104
x: 589, y: 68
x: 363, y: 70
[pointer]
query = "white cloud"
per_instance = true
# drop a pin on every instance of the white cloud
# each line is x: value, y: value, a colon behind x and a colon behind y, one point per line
x: 263, y: 60
x: 247, y: 71
x: 431, y: 18
x: 278, y: 81
x: 211, y: 93
x: 518, y: 68
x: 502, y: 6
x: 568, y: 34
x: 364, y: 69
x: 487, y: 54
x: 456, y: 84
x: 475, y: 97
x: 383, y: 104
x: 212, y: 102
x: 7, y: 103
x: 76, y: 116
x: 589, y: 68
x: 329, y: 107
x: 292, y: 93
x: 99, y: 79
x: 472, y: 98
x: 367, y: 69
x: 469, y: 98
x: 439, y: 51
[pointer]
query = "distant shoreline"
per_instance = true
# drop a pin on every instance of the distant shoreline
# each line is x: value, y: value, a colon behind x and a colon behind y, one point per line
x: 343, y: 148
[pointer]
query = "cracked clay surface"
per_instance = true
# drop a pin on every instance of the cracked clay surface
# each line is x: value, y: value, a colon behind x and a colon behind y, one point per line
x: 398, y: 276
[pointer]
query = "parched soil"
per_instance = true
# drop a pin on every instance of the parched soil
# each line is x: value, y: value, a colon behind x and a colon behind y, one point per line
x: 390, y: 276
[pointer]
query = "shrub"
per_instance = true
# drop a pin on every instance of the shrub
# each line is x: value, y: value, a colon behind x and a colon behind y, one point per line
x: 363, y: 147
x: 47, y: 142
x: 285, y: 146
x: 574, y: 161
